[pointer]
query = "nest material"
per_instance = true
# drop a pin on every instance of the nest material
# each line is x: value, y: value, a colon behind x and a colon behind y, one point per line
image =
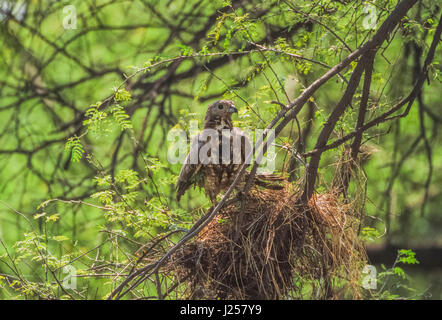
x: 268, y: 247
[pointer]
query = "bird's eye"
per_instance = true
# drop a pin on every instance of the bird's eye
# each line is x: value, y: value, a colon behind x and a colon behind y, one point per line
x: 220, y: 106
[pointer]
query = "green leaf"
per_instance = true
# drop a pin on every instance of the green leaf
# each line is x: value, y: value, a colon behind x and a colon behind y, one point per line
x: 399, y: 271
x: 60, y: 238
x: 53, y: 217
x: 121, y: 117
x: 407, y: 256
x: 105, y: 197
x: 369, y: 234
x: 122, y: 95
x: 74, y: 146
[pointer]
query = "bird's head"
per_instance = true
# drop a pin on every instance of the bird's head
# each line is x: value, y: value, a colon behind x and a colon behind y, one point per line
x: 219, y: 114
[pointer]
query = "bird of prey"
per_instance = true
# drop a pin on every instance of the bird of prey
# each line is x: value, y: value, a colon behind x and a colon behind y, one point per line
x: 216, y: 154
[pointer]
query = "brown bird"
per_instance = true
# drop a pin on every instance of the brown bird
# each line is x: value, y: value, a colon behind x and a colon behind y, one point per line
x: 216, y: 154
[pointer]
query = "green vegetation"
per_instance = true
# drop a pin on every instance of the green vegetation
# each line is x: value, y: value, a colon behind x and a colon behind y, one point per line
x: 87, y: 194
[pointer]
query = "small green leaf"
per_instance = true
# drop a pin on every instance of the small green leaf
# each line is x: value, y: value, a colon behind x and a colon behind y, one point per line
x: 74, y: 146
x: 122, y: 95
x: 60, y: 238
x: 53, y: 217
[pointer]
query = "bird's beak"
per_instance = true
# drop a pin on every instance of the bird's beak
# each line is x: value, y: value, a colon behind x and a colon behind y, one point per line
x: 233, y: 109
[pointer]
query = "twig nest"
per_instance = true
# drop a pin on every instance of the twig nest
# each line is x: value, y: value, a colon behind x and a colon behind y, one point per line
x: 268, y: 247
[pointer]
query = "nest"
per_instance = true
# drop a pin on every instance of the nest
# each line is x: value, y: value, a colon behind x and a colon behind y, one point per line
x: 268, y: 247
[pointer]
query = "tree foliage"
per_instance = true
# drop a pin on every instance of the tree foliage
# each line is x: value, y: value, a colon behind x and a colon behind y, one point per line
x: 352, y: 89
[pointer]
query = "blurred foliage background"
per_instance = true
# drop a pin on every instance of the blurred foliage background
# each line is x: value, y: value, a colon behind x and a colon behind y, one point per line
x: 85, y: 113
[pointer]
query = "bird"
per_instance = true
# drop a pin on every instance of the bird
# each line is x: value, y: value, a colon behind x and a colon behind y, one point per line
x: 216, y: 154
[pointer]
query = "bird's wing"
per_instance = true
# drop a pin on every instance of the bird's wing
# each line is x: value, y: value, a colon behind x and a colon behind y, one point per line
x: 190, y: 168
